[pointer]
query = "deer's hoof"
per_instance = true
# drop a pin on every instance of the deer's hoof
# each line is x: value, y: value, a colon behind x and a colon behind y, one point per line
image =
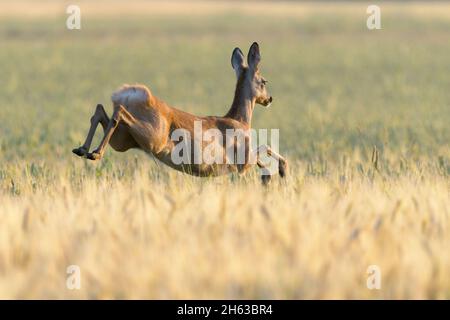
x: 93, y: 156
x: 265, y: 179
x: 80, y: 151
x: 282, y: 168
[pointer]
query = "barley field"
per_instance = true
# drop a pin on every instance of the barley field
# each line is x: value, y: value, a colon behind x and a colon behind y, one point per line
x: 364, y: 122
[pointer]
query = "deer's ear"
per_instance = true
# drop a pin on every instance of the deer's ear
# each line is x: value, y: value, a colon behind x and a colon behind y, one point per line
x: 254, y: 57
x: 237, y: 61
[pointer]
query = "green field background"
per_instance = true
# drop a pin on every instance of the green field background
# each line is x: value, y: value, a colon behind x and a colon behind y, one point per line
x: 339, y: 89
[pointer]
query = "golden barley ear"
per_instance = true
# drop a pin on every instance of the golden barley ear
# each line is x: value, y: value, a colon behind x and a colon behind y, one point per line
x: 375, y: 156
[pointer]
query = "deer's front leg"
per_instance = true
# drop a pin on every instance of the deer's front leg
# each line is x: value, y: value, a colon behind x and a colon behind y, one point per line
x: 265, y: 151
x: 265, y: 174
x: 99, y: 116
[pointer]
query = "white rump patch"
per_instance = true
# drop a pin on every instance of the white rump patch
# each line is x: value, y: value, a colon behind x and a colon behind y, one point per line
x: 131, y: 94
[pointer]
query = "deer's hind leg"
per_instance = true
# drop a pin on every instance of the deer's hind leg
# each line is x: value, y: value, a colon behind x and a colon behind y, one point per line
x: 99, y: 116
x: 117, y: 133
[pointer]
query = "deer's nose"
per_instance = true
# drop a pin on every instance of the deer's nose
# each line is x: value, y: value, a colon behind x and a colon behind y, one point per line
x: 270, y: 99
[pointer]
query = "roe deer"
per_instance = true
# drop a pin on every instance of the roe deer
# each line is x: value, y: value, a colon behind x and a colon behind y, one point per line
x: 141, y: 120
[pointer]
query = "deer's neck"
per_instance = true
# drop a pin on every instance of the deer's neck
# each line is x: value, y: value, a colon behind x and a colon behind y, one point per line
x: 243, y: 103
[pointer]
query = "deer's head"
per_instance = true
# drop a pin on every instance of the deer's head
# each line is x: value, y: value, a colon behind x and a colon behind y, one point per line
x: 249, y: 76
